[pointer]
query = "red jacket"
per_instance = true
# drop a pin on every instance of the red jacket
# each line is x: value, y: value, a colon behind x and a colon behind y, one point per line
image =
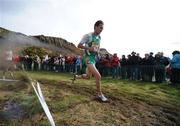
x: 115, y: 61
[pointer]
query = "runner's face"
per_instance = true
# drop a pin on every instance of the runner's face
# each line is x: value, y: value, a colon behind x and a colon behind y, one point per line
x: 98, y: 29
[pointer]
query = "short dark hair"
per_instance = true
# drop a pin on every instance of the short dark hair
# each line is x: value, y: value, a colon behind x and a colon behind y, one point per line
x: 98, y: 23
x: 175, y: 52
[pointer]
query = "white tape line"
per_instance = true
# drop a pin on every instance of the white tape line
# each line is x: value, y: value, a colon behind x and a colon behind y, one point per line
x: 47, y: 112
x: 8, y: 80
x: 43, y: 103
x: 40, y: 92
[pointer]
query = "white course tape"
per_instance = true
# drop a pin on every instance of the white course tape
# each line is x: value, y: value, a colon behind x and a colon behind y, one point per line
x: 8, y: 80
x: 43, y: 103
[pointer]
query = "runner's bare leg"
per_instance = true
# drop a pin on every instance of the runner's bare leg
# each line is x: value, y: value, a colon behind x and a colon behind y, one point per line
x: 92, y: 70
x: 97, y: 75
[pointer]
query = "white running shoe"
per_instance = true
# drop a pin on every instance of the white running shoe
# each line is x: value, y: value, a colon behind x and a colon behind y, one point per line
x: 102, y: 98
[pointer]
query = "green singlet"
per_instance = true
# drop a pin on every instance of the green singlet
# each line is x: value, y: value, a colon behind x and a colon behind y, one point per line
x: 94, y: 41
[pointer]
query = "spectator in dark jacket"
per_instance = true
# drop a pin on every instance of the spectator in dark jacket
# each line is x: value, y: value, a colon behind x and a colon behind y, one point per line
x: 128, y: 68
x: 139, y: 66
x: 123, y: 63
x: 147, y: 68
x: 159, y: 68
x: 134, y: 66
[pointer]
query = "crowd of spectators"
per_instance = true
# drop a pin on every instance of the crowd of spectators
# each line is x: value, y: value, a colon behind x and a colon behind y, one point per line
x: 150, y: 68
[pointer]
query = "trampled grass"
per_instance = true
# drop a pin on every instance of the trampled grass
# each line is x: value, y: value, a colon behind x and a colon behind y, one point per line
x: 152, y: 93
x: 130, y: 102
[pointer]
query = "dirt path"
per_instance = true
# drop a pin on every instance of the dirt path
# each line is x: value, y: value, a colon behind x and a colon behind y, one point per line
x: 119, y: 111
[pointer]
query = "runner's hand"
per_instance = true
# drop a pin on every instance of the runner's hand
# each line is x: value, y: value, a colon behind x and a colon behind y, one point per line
x: 91, y: 49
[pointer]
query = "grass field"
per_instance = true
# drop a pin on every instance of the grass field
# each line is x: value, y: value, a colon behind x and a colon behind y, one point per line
x: 131, y: 103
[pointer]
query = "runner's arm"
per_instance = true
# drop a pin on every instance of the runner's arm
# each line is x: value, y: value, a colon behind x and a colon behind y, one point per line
x: 83, y: 41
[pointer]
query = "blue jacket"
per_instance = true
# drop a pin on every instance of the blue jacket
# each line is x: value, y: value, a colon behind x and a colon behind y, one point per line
x: 78, y: 62
x: 175, y: 62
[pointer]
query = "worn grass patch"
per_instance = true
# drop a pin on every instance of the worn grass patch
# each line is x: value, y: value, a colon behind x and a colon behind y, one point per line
x: 154, y: 93
x: 130, y: 102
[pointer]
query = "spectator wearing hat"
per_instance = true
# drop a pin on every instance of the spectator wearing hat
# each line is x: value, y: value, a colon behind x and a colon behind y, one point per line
x: 134, y: 66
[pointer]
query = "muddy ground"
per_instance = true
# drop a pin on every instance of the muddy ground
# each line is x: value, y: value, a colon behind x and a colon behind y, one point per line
x: 118, y: 111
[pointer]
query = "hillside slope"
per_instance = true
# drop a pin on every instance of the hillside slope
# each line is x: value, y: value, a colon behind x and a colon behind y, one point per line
x: 54, y: 43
